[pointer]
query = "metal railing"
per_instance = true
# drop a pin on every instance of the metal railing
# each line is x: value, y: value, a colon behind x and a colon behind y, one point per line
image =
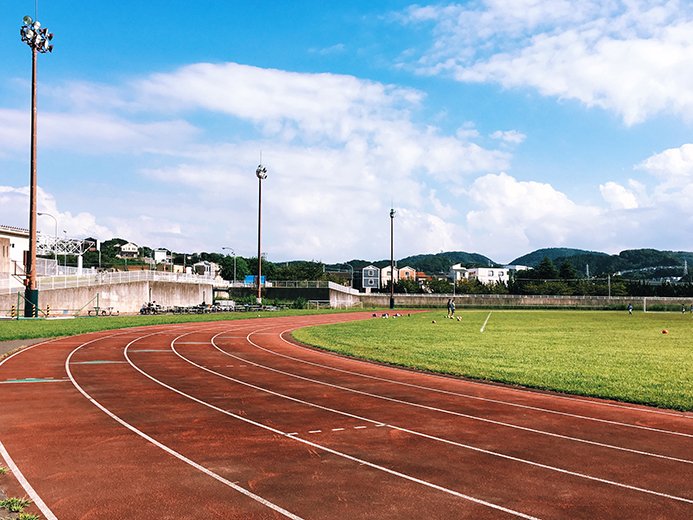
x: 108, y: 278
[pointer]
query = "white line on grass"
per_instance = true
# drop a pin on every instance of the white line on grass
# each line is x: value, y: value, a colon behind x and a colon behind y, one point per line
x: 484, y: 325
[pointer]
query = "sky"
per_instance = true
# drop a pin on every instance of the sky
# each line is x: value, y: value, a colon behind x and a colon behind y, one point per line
x: 490, y: 126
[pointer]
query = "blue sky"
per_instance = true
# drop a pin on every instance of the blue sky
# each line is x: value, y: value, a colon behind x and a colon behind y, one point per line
x: 496, y: 127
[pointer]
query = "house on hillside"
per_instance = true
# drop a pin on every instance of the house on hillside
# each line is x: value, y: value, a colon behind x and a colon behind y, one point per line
x: 407, y: 273
x: 489, y: 275
x: 457, y: 272
x: 386, y: 276
x: 129, y: 250
x: 370, y: 278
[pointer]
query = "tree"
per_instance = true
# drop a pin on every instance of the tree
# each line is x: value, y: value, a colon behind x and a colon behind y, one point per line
x: 546, y: 270
x: 567, y: 271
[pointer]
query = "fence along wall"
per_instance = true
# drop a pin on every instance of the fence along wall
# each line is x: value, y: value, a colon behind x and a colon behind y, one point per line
x: 522, y: 301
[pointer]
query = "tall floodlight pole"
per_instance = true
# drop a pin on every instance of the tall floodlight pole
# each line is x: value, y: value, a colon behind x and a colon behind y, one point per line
x: 392, y: 258
x: 38, y: 39
x: 261, y: 173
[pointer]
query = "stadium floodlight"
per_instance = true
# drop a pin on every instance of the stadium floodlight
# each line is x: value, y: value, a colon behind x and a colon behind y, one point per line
x: 38, y: 39
x: 261, y: 173
x: 392, y: 258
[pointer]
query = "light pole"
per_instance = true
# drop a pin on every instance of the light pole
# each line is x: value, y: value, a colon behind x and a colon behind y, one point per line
x: 55, y: 245
x: 234, y: 264
x: 392, y: 258
x: 38, y: 39
x: 261, y: 173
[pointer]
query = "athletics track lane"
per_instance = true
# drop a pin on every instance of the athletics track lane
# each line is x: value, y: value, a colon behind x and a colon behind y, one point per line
x: 310, y: 475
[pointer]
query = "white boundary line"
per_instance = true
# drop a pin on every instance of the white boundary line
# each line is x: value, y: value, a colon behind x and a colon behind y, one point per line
x: 409, y: 403
x: 163, y: 447
x: 325, y: 448
x: 486, y: 399
x: 483, y: 327
x: 35, y: 498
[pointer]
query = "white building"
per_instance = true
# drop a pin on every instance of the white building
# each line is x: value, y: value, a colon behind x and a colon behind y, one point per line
x: 386, y: 276
x: 370, y: 278
x: 489, y: 275
x: 129, y: 250
x: 13, y: 244
x: 457, y: 272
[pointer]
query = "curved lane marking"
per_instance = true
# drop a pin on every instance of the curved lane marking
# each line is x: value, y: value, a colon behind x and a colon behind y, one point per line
x: 416, y: 405
x: 162, y: 446
x: 485, y: 399
x: 427, y: 436
x: 325, y: 448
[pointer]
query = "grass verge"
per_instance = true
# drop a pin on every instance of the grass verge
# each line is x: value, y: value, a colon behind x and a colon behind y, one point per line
x: 592, y: 353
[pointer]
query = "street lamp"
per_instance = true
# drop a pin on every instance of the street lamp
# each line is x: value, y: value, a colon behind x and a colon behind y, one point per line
x: 234, y: 264
x: 351, y: 268
x: 261, y: 173
x: 38, y: 39
x: 55, y: 245
x: 392, y: 258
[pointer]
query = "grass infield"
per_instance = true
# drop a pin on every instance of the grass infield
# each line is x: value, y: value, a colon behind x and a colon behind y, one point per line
x: 593, y: 353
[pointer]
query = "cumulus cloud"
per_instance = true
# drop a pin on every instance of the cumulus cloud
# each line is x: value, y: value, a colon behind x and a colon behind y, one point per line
x: 340, y: 150
x: 630, y: 57
x: 618, y: 196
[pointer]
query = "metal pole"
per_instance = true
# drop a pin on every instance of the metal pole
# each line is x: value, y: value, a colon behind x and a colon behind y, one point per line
x: 392, y: 259
x: 259, y: 241
x: 234, y: 268
x: 31, y: 292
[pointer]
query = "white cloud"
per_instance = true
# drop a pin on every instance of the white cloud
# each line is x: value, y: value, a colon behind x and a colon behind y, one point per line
x: 631, y: 57
x: 617, y: 196
x: 509, y: 136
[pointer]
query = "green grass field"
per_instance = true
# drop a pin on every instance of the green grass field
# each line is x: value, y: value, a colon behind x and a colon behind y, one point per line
x: 601, y: 353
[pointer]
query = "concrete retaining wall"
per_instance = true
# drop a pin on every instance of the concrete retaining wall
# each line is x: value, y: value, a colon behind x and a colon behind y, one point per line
x: 123, y: 297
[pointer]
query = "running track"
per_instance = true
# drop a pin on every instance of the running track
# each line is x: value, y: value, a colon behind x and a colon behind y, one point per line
x: 231, y: 420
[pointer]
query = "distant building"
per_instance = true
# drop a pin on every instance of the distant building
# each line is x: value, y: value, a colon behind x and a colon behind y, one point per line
x: 14, y: 242
x: 407, y: 273
x: 489, y: 275
x: 457, y: 272
x: 386, y: 276
x: 205, y: 268
x: 370, y: 278
x: 129, y: 250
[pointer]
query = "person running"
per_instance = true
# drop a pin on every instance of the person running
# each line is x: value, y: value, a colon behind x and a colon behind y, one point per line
x: 630, y: 309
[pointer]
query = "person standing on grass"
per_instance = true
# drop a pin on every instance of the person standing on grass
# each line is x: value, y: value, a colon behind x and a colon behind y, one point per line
x: 452, y: 308
x: 630, y: 309
x: 449, y: 307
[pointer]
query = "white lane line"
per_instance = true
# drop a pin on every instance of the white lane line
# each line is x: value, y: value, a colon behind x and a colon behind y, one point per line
x: 192, y: 343
x: 572, y: 399
x: 338, y: 429
x: 314, y: 431
x: 330, y: 450
x: 483, y: 327
x: 167, y: 449
x: 427, y: 436
x: 360, y: 427
x: 440, y: 410
x: 489, y: 400
x: 35, y: 498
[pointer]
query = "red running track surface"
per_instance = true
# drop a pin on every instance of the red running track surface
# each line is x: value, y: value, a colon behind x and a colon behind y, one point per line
x: 232, y: 420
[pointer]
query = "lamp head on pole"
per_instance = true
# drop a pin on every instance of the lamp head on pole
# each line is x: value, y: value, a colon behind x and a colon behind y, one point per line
x: 392, y: 213
x: 261, y: 172
x: 34, y: 36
